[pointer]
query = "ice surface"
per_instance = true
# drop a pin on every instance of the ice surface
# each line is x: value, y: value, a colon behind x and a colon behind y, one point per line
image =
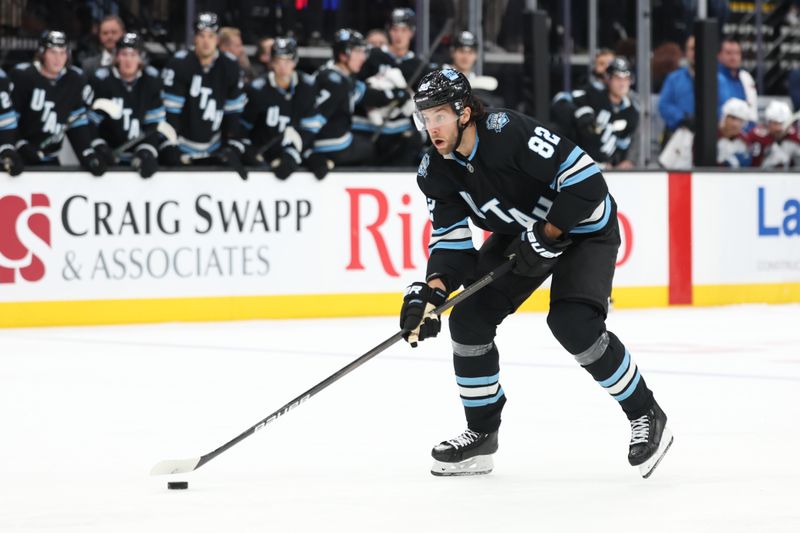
x: 87, y: 412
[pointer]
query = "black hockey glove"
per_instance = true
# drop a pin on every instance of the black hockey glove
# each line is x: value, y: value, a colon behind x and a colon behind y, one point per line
x: 28, y: 153
x: 95, y: 163
x: 232, y: 157
x: 104, y: 151
x: 11, y: 161
x: 535, y: 253
x: 416, y: 319
x: 144, y: 162
x: 170, y: 155
x: 286, y: 164
x: 319, y: 165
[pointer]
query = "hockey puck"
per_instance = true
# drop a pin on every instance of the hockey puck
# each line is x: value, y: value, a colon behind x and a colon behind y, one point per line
x: 177, y: 485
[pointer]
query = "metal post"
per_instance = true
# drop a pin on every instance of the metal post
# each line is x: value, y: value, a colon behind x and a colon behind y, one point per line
x: 705, y: 93
x: 423, y: 36
x: 536, y: 64
x: 643, y: 80
x: 475, y: 26
x: 702, y: 9
x: 759, y: 46
x: 566, y: 12
x: 592, y: 34
x: 190, y: 13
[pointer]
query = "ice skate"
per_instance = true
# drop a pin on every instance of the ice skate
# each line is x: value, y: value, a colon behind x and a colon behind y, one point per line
x: 469, y: 454
x: 650, y: 440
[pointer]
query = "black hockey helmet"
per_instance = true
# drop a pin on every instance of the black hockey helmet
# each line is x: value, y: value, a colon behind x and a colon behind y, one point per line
x: 285, y: 47
x: 130, y: 40
x: 52, y: 39
x: 465, y: 39
x: 403, y: 16
x: 345, y: 40
x: 619, y: 66
x: 445, y: 86
x: 206, y: 20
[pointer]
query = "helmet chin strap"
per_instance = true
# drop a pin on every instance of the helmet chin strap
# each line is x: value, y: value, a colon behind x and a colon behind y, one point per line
x: 461, y: 128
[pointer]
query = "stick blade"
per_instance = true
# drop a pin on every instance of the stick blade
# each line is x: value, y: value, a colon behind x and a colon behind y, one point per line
x: 176, y: 466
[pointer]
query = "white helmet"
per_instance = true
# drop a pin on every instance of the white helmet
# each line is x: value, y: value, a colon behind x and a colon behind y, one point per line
x: 778, y: 111
x: 735, y: 107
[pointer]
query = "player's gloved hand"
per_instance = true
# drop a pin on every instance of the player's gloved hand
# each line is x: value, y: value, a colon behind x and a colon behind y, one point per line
x: 104, y: 151
x: 11, y: 162
x: 319, y: 165
x: 95, y: 163
x: 536, y: 253
x: 416, y: 317
x: 232, y: 156
x: 400, y: 95
x: 286, y: 164
x: 144, y: 162
x: 28, y: 153
x: 170, y: 155
x: 252, y: 158
x: 688, y: 121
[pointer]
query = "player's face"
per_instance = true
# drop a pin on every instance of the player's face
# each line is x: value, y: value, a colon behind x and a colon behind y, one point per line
x: 601, y: 64
x: 234, y: 46
x: 377, y: 39
x: 54, y: 59
x: 619, y: 86
x: 731, y: 126
x: 442, y: 127
x: 464, y: 59
x: 401, y: 35
x: 266, y: 55
x: 356, y: 59
x: 205, y: 44
x: 283, y: 66
x: 128, y: 62
x: 110, y: 33
x: 775, y: 129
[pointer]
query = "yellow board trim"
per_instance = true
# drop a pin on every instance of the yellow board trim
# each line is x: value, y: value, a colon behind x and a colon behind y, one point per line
x: 103, y: 312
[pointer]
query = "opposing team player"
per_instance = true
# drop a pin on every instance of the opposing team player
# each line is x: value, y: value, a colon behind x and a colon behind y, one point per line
x: 127, y: 106
x: 547, y: 205
x: 275, y: 105
x: 10, y: 160
x: 602, y: 122
x: 203, y: 100
x: 776, y: 144
x: 327, y: 139
x: 52, y: 100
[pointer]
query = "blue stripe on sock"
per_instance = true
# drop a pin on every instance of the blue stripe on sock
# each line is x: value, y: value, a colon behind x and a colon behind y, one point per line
x: 484, y: 401
x: 623, y: 367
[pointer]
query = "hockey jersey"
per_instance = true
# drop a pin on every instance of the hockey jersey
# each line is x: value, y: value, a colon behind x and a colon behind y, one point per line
x: 141, y: 105
x: 596, y: 124
x: 327, y: 126
x: 204, y: 104
x: 270, y: 109
x: 770, y: 152
x: 734, y: 151
x: 518, y: 172
x: 50, y: 108
x: 8, y: 116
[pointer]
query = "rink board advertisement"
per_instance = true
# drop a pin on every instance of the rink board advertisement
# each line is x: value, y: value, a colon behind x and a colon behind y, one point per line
x: 746, y: 239
x: 206, y: 245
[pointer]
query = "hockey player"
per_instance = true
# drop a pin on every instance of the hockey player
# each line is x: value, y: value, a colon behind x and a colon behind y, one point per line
x: 9, y: 158
x: 392, y: 67
x: 732, y: 148
x: 548, y: 208
x: 325, y: 131
x: 203, y: 100
x: 777, y: 144
x: 275, y: 105
x: 464, y: 54
x: 52, y: 100
x: 131, y: 94
x: 601, y: 122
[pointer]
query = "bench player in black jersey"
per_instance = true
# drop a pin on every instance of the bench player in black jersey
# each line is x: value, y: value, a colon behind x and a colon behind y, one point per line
x: 547, y: 204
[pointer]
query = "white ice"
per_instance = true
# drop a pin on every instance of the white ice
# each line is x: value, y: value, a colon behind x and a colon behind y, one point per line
x: 86, y: 412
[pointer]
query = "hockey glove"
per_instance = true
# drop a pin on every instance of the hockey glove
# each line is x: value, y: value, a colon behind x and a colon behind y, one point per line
x: 286, y: 164
x: 11, y: 161
x: 232, y: 157
x: 95, y: 163
x: 170, y: 155
x: 319, y: 165
x: 535, y: 253
x: 28, y: 153
x: 104, y: 151
x: 416, y: 317
x: 144, y: 162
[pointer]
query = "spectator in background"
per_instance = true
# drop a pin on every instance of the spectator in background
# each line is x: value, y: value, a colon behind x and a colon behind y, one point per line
x: 110, y: 31
x: 377, y: 38
x: 676, y: 101
x: 732, y: 80
x: 732, y: 148
x: 666, y: 59
x: 263, y: 56
x: 602, y: 58
x: 230, y: 42
x: 777, y: 144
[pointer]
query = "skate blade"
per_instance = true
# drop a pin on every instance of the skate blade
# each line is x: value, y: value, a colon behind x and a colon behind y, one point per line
x: 648, y: 466
x: 474, y: 466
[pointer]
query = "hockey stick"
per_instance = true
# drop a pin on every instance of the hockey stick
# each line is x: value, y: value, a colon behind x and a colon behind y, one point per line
x: 182, y: 466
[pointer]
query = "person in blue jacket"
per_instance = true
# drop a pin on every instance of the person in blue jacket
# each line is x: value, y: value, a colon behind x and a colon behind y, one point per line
x: 676, y: 101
